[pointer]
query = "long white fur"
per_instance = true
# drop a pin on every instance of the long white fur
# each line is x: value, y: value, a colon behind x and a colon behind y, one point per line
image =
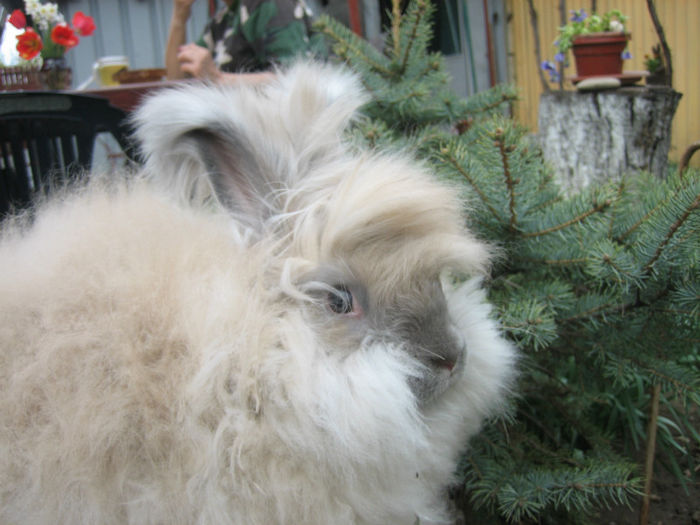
x: 160, y: 364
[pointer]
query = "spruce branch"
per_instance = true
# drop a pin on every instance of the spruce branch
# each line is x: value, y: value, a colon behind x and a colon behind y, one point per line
x: 611, y: 307
x: 614, y: 265
x: 619, y: 194
x: 597, y: 207
x: 649, y: 214
x: 422, y: 8
x: 679, y: 384
x: 396, y: 25
x: 637, y: 224
x: 504, y: 149
x: 671, y: 232
x: 445, y: 156
x: 489, y: 101
x: 524, y: 496
x: 560, y: 262
x: 595, y: 311
x: 348, y: 45
x: 678, y: 311
x: 505, y: 98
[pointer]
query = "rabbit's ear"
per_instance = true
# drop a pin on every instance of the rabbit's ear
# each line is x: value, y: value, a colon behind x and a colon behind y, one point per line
x: 243, y: 144
x: 316, y: 103
x: 204, y: 141
x: 238, y: 175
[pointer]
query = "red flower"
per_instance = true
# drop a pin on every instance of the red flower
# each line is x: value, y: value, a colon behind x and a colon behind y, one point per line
x: 29, y: 44
x: 18, y: 19
x: 64, y: 36
x: 84, y: 25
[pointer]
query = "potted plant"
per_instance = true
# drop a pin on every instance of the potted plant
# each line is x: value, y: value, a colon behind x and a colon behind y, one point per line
x: 50, y: 40
x: 598, y: 43
x: 654, y: 64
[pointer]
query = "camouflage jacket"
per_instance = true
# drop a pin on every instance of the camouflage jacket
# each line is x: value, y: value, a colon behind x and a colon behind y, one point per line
x: 251, y: 35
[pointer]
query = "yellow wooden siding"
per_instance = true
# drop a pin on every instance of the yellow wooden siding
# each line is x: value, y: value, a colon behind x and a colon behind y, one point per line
x: 681, y: 22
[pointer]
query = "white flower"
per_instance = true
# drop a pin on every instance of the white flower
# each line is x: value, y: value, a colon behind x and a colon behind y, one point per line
x: 44, y: 15
x: 244, y: 14
x: 616, y: 26
x: 31, y: 7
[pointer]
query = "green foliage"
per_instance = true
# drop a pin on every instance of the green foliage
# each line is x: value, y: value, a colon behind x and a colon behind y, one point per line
x: 600, y: 290
x: 654, y: 62
x: 409, y: 85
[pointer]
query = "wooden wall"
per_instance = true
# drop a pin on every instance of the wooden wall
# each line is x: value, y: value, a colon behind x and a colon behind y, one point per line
x: 681, y: 22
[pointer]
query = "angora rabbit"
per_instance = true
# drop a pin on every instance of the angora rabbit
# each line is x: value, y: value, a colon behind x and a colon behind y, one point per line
x: 259, y: 329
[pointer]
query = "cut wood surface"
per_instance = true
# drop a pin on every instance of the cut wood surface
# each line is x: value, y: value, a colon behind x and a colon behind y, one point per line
x: 594, y: 137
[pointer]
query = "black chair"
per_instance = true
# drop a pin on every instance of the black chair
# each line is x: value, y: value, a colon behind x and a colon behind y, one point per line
x: 47, y: 138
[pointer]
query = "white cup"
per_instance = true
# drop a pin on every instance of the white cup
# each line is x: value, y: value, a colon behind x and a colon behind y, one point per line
x: 106, y: 67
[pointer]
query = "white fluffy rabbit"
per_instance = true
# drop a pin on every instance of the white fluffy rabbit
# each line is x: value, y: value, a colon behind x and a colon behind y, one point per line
x: 256, y: 330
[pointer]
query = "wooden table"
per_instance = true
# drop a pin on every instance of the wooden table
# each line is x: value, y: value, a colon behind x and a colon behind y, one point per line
x: 127, y: 96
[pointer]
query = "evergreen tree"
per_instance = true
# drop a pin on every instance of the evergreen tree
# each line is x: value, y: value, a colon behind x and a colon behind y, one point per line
x: 599, y: 290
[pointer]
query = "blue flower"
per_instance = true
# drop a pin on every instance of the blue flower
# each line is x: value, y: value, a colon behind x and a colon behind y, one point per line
x: 626, y: 55
x: 551, y: 68
x: 578, y: 16
x: 559, y: 57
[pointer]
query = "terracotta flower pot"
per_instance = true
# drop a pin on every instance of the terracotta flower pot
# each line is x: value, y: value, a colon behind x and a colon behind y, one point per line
x: 599, y: 54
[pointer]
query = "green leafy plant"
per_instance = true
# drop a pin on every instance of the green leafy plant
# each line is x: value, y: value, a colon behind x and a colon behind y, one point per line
x: 653, y: 62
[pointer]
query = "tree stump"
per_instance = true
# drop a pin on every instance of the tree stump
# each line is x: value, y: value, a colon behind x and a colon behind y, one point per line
x: 594, y: 137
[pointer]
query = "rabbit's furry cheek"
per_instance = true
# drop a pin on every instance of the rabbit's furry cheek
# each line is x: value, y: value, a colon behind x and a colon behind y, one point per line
x: 255, y: 328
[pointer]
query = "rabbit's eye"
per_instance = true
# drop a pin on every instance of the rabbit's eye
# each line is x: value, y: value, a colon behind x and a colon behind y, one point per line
x: 340, y: 300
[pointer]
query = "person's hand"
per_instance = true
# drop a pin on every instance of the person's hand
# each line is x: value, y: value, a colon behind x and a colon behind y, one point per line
x: 198, y: 62
x: 183, y: 4
x: 182, y: 9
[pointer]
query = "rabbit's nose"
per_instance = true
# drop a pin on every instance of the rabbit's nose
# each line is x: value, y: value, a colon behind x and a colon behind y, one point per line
x: 445, y: 362
x: 448, y: 362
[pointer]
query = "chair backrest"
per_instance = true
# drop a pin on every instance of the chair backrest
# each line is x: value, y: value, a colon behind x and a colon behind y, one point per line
x: 48, y: 137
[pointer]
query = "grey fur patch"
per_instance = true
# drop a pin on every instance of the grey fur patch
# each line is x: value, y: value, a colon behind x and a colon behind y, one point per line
x: 420, y: 321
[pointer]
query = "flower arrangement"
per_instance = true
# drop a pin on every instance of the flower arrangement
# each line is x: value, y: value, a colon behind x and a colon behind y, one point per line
x: 581, y: 23
x: 52, y: 36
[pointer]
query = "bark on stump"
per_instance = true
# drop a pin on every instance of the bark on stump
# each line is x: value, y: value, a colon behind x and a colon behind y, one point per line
x: 595, y: 137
